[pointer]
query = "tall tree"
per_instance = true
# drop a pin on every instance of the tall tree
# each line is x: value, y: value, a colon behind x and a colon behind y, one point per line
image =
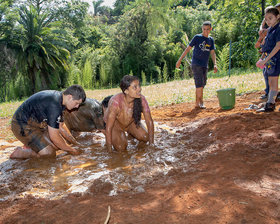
x: 242, y: 18
x: 7, y: 58
x: 38, y: 45
x: 119, y: 6
x: 263, y: 7
x: 72, y: 13
x: 97, y: 6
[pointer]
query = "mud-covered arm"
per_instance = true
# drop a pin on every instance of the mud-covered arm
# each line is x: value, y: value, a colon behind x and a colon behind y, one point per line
x: 150, y: 126
x: 59, y: 142
x: 148, y: 119
x: 111, y: 115
x: 65, y: 132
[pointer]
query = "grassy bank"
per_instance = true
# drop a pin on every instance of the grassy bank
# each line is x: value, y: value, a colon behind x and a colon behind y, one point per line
x: 184, y: 90
x: 174, y: 91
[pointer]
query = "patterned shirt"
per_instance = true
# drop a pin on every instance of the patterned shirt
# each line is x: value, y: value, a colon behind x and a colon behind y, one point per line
x: 202, y: 47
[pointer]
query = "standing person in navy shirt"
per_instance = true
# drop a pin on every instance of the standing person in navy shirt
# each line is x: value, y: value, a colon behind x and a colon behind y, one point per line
x: 271, y: 49
x: 261, y: 40
x: 203, y: 47
x: 37, y: 121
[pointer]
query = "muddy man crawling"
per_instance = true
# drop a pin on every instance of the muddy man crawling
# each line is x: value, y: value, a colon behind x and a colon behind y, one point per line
x: 37, y: 121
x: 44, y: 126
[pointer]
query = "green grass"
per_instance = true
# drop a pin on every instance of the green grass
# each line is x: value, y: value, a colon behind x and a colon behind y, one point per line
x: 8, y: 108
x: 176, y: 91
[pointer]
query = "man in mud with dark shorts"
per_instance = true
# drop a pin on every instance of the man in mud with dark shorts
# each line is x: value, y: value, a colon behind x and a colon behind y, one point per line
x: 37, y: 121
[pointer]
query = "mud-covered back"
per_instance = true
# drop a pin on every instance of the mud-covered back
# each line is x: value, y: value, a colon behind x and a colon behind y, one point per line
x: 88, y: 117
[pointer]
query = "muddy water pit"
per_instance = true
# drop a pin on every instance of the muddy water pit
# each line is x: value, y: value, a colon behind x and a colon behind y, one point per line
x: 129, y: 171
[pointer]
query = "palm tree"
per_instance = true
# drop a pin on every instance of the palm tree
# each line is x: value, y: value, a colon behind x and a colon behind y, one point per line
x: 97, y: 6
x: 38, y: 45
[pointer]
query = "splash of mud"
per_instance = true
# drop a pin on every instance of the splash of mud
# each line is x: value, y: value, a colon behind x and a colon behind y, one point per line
x: 129, y: 171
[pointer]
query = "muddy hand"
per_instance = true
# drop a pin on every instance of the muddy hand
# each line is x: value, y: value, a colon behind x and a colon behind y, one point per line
x: 151, y: 146
x: 215, y: 69
x: 80, y: 145
x: 75, y: 152
x: 109, y: 148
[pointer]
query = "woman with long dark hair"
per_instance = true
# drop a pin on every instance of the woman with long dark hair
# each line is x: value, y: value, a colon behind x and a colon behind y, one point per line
x: 124, y: 115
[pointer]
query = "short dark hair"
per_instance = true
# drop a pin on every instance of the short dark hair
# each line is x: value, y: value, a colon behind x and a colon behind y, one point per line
x: 76, y: 91
x: 106, y: 100
x: 207, y: 23
x: 274, y: 11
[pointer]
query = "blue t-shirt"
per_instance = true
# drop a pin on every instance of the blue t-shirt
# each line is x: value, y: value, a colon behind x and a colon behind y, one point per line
x: 272, y: 37
x: 42, y: 106
x: 202, y: 47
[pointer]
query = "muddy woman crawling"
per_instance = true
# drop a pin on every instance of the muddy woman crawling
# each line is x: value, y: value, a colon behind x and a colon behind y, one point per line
x: 124, y: 115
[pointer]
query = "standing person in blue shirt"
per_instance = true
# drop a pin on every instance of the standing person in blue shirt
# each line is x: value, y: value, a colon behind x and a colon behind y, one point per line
x: 261, y: 40
x: 203, y: 47
x: 262, y: 33
x: 271, y: 49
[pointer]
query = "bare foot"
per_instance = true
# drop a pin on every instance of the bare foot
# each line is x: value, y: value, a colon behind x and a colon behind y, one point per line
x: 23, y: 153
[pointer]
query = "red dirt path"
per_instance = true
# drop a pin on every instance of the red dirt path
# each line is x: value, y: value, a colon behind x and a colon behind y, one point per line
x: 238, y: 183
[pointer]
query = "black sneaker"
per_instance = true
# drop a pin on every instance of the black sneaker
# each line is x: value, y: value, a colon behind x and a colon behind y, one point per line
x: 269, y: 107
x: 263, y: 97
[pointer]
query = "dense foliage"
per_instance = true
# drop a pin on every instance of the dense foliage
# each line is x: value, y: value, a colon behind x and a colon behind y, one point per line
x: 52, y: 44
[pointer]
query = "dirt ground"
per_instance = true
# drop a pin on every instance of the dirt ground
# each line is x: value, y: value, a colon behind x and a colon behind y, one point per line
x: 238, y: 183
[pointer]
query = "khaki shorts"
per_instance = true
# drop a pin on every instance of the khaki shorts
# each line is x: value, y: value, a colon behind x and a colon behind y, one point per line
x: 33, y: 134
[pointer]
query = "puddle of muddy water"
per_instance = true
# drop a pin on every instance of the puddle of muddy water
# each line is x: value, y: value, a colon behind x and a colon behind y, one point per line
x: 129, y: 171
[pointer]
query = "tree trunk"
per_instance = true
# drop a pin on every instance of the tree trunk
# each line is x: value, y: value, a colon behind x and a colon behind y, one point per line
x: 32, y: 75
x: 45, y: 79
x: 263, y: 8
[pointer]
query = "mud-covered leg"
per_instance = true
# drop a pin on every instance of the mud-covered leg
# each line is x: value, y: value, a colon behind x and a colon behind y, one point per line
x: 199, y: 97
x: 48, y: 151
x: 140, y: 133
x: 119, y: 140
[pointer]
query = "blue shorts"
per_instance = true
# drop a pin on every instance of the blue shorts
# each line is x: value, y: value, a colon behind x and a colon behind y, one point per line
x: 272, y: 67
x: 200, y: 75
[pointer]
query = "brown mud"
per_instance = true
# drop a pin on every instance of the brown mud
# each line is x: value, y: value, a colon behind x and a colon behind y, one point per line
x: 208, y: 166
